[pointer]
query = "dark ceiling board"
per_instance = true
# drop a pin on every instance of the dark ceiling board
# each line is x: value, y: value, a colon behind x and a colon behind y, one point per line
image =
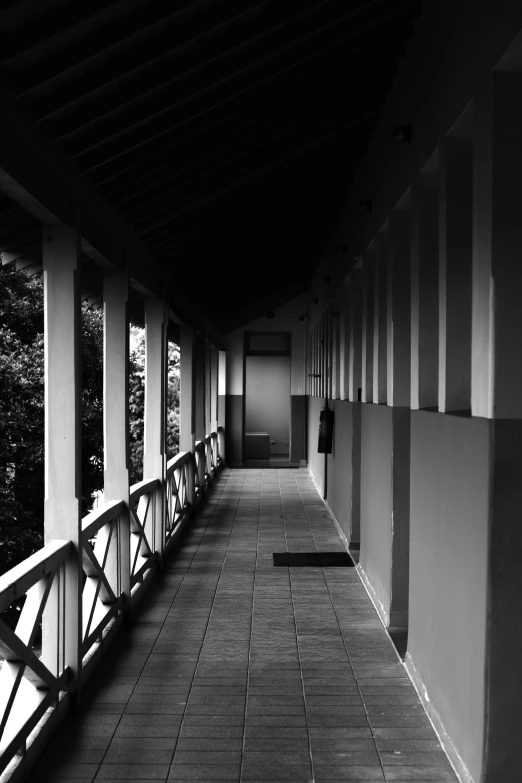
x: 114, y: 138
x: 138, y: 72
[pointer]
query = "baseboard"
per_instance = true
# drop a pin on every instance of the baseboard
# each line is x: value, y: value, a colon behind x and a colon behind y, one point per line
x: 451, y: 751
x: 379, y: 606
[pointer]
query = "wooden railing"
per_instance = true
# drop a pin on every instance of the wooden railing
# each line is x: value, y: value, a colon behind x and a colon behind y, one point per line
x: 30, y: 684
x: 102, y: 594
x: 179, y: 497
x: 200, y: 481
x: 120, y: 547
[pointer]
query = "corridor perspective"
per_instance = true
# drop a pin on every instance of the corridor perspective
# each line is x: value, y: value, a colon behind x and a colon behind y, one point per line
x: 296, y: 230
x: 241, y: 671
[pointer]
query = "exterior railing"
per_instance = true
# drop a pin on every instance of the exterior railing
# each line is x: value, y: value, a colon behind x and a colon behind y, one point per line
x: 101, y: 598
x: 30, y: 684
x: 180, y: 481
x: 200, y: 469
x: 143, y: 509
x: 114, y: 574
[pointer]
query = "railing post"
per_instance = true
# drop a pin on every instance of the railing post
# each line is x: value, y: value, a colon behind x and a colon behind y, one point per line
x: 115, y: 424
x: 187, y: 410
x: 154, y: 455
x: 62, y: 510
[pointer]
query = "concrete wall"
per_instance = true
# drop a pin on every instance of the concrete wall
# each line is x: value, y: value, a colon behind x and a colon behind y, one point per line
x: 449, y: 529
x: 376, y: 501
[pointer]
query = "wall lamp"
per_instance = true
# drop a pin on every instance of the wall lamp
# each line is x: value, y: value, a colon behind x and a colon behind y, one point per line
x: 402, y: 134
x: 366, y: 206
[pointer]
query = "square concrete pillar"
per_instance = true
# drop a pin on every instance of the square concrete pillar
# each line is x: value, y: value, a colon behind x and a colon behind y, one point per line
x: 368, y: 320
x: 116, y: 425
x: 62, y: 619
x: 455, y: 265
x: 154, y: 440
x: 425, y: 289
x: 380, y: 318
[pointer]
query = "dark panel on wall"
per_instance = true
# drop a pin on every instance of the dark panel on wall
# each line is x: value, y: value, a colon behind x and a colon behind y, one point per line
x: 222, y: 410
x: 234, y: 429
x: 297, y: 429
x: 449, y: 532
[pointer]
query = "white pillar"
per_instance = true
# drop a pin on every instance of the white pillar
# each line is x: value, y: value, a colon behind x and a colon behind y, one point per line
x: 116, y: 423
x: 455, y: 253
x: 344, y: 342
x: 425, y: 291
x: 355, y: 359
x: 214, y: 372
x: 399, y: 317
x: 380, y: 320
x: 154, y: 440
x: 368, y: 301
x: 186, y: 406
x: 222, y: 398
x: 62, y: 379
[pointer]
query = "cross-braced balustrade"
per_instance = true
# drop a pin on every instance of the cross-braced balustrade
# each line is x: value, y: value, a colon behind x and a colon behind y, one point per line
x: 180, y: 477
x: 29, y: 685
x: 102, y: 601
x: 142, y: 528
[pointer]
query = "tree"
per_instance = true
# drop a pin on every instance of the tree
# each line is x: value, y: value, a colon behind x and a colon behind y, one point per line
x: 22, y: 413
x: 137, y: 400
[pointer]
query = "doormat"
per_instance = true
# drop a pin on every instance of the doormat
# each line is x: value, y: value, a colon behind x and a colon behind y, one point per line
x: 313, y: 559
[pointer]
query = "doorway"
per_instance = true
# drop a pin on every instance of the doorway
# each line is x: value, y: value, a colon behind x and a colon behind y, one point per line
x: 267, y: 410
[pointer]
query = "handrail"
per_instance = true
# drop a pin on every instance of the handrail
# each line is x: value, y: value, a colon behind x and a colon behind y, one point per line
x: 17, y: 581
x: 177, y: 461
x: 143, y: 488
x: 100, y: 516
x: 120, y: 544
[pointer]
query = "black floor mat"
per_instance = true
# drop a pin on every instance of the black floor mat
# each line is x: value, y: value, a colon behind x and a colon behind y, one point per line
x: 313, y: 559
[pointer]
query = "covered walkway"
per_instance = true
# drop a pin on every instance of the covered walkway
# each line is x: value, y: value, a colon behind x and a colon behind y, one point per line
x: 238, y: 670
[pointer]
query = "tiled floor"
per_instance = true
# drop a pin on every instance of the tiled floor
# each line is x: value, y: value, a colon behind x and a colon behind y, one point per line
x: 239, y: 671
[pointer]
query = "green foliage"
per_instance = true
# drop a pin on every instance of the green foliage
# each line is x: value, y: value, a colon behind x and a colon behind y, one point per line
x: 22, y: 413
x: 137, y: 399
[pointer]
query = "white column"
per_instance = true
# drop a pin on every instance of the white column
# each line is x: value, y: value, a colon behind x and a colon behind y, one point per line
x: 116, y: 424
x: 455, y: 253
x: 399, y: 317
x: 154, y: 457
x: 425, y: 291
x: 355, y: 359
x: 62, y: 379
x: 368, y: 301
x: 380, y: 321
x: 222, y: 398
x: 344, y: 342
x: 214, y: 372
x: 186, y: 405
